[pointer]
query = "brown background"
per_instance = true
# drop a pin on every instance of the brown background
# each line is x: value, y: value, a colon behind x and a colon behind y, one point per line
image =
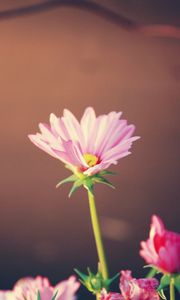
x: 68, y: 58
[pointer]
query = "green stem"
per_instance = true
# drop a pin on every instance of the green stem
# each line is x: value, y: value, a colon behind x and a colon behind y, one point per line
x: 97, y: 296
x: 98, y: 237
x: 172, y: 291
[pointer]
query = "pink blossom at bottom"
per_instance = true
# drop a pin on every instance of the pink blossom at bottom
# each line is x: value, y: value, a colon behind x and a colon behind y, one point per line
x: 111, y: 296
x: 138, y: 289
x: 134, y: 289
x: 28, y: 288
x: 6, y: 295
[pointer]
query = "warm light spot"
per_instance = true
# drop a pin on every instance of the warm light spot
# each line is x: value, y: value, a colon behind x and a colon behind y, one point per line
x: 90, y: 159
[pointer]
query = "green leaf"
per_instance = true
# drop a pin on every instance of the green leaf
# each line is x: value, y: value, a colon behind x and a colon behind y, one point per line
x: 53, y: 298
x: 161, y: 294
x: 66, y: 180
x: 75, y: 186
x: 38, y: 296
x: 164, y: 282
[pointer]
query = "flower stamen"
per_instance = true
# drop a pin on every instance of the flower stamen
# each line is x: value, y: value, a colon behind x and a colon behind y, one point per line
x: 91, y: 159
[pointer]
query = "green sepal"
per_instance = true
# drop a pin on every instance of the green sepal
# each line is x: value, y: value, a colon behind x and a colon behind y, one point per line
x: 83, y: 276
x: 80, y: 179
x: 71, y: 178
x: 164, y: 282
x: 53, y: 298
x: 152, y: 272
x: 100, y: 179
x: 38, y: 296
x: 110, y: 280
x: 77, y: 184
x: 88, y: 184
x: 104, y: 172
x: 95, y: 282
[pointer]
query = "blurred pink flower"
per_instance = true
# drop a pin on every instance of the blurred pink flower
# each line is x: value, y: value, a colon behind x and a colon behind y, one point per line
x: 7, y: 295
x: 110, y: 296
x: 27, y: 288
x: 88, y: 146
x: 134, y: 289
x: 138, y: 289
x: 162, y: 249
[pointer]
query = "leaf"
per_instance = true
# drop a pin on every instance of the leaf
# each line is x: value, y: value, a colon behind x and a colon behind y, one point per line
x: 66, y: 180
x: 38, y: 296
x: 75, y: 186
x: 161, y: 294
x: 53, y: 298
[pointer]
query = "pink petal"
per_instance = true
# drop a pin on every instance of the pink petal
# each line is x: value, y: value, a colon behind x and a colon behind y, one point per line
x: 73, y: 127
x: 157, y: 226
x: 42, y: 145
x: 97, y: 168
x: 112, y: 134
x: 104, y: 127
x: 58, y: 126
x: 87, y: 124
x: 119, y: 151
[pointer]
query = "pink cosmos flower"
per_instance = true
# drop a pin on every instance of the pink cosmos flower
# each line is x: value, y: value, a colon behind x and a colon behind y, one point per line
x: 88, y: 146
x: 27, y: 288
x: 133, y: 289
x: 162, y: 249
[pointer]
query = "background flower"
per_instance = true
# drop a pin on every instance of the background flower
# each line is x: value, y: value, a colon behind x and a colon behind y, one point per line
x: 133, y: 289
x: 138, y: 289
x: 162, y: 249
x: 88, y: 146
x: 28, y: 288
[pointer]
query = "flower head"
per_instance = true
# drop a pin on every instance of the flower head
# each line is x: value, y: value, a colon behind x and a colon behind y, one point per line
x: 28, y: 288
x: 138, y: 289
x: 133, y: 289
x: 162, y: 249
x: 6, y: 295
x: 88, y: 146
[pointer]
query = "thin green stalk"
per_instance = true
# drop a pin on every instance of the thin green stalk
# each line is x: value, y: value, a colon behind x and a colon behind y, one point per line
x: 172, y: 291
x: 98, y: 237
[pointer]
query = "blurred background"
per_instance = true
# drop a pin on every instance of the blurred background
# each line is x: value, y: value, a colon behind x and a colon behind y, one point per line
x: 57, y: 57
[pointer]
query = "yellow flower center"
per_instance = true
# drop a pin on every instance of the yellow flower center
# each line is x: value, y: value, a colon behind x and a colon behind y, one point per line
x: 90, y: 159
